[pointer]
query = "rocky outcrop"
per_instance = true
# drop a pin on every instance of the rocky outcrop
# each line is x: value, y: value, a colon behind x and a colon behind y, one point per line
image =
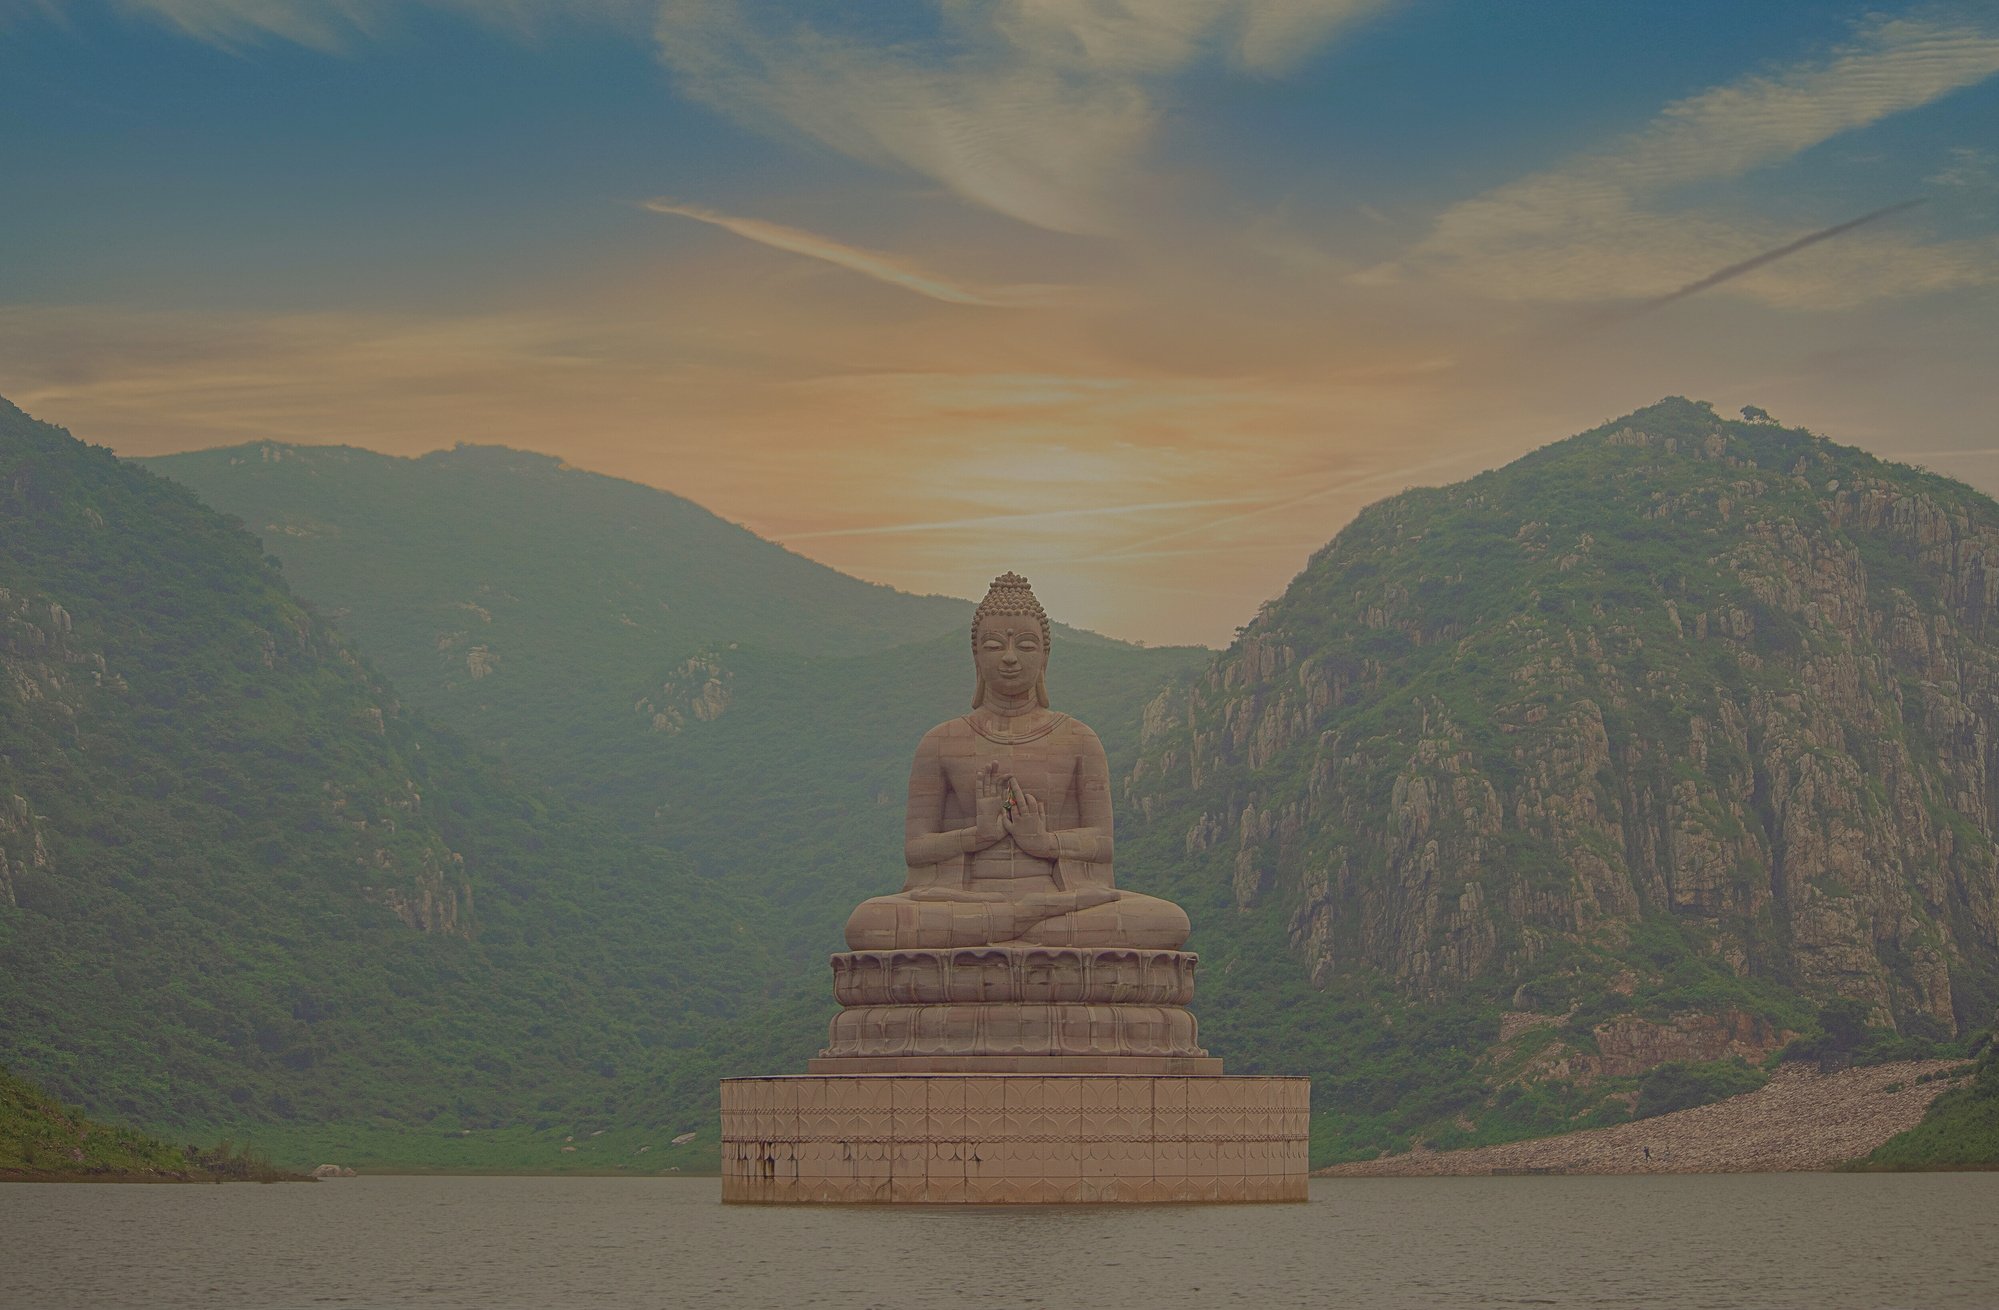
x: 1725, y: 677
x: 1629, y: 1045
x: 698, y: 689
x: 21, y: 846
x: 433, y: 900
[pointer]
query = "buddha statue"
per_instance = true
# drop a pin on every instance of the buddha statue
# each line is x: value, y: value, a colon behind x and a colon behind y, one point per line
x: 1009, y: 938
x: 1008, y: 831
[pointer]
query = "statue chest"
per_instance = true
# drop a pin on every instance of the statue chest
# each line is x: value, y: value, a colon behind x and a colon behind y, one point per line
x: 1049, y: 776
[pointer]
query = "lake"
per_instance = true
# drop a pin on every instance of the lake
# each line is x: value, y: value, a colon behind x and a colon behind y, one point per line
x: 1818, y: 1240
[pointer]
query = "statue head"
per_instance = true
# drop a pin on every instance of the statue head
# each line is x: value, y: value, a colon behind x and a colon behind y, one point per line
x: 1010, y: 641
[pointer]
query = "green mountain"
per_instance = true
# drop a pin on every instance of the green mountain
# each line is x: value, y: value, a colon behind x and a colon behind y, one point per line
x: 1573, y: 791
x: 531, y: 605
x: 640, y: 658
x: 1627, y: 756
x: 242, y: 882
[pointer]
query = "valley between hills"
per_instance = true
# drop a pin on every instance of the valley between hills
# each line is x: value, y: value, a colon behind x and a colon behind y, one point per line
x: 475, y: 812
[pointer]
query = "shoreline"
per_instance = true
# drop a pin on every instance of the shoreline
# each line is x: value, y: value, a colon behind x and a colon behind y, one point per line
x: 134, y: 1176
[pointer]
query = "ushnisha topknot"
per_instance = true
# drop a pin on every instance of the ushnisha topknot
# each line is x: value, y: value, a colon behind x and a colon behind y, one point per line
x: 1009, y: 594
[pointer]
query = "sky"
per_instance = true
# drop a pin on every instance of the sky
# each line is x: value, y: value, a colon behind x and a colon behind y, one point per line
x: 1143, y: 298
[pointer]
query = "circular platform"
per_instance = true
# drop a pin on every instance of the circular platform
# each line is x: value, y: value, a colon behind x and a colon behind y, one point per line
x: 1029, y: 974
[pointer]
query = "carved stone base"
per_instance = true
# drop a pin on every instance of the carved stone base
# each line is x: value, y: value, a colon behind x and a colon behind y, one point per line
x: 1020, y: 1138
x: 1186, y: 1065
x: 1037, y: 975
x: 1013, y: 1029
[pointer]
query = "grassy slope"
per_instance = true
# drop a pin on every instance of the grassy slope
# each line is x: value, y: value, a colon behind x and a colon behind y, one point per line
x: 42, y: 1140
x: 1961, y: 1130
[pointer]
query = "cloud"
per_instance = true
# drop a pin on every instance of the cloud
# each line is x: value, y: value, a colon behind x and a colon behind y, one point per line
x: 328, y: 25
x: 1039, y: 110
x: 1036, y: 109
x: 1969, y: 169
x: 1745, y: 267
x: 340, y: 26
x: 1028, y: 517
x: 868, y: 263
x: 1604, y: 225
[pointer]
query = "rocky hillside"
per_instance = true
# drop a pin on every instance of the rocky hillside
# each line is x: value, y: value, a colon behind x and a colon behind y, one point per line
x: 241, y: 881
x: 1635, y: 750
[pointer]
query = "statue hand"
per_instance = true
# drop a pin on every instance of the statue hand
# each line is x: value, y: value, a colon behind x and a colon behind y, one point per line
x: 990, y: 795
x: 1028, y: 824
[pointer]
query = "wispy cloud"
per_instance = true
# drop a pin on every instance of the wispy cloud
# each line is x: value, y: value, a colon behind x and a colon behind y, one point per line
x: 328, y: 25
x: 1402, y: 476
x: 1743, y: 268
x: 1027, y: 518
x: 1604, y: 224
x: 339, y: 26
x: 868, y: 263
x: 1036, y: 109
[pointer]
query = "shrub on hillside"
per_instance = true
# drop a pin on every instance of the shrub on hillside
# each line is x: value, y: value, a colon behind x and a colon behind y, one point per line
x: 1961, y: 1129
x: 1677, y: 1086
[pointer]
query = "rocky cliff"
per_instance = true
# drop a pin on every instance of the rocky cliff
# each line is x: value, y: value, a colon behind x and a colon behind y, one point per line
x: 1673, y: 728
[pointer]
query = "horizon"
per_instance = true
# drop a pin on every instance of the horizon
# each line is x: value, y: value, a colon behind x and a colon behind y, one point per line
x: 975, y: 589
x: 1147, y: 300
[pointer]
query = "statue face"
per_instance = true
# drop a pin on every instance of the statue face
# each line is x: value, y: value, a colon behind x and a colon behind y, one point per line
x: 1010, y: 654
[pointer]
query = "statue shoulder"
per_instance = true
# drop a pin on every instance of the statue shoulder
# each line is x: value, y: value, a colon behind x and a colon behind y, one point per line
x: 1072, y: 724
x: 946, y: 738
x: 1082, y: 734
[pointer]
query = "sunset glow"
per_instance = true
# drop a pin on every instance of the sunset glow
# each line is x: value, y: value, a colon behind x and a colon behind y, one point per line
x: 1144, y: 298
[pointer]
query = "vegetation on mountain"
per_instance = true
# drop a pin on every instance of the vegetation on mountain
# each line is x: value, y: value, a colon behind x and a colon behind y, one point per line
x: 1960, y: 1131
x: 244, y: 887
x: 1575, y: 791
x: 532, y: 605
x: 42, y: 1140
x: 640, y: 659
x: 242, y: 883
x: 1634, y: 752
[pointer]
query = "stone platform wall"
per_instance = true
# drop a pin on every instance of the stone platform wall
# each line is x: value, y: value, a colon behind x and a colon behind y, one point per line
x: 1012, y: 1138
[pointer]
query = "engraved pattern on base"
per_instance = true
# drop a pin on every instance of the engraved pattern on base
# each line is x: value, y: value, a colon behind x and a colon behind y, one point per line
x: 994, y: 974
x: 1011, y: 1138
x: 1013, y: 1028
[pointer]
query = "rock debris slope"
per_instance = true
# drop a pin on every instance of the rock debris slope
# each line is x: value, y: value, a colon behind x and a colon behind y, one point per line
x: 1800, y: 1120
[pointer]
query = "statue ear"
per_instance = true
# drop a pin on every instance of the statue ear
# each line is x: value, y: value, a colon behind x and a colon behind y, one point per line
x: 979, y: 692
x: 1041, y: 690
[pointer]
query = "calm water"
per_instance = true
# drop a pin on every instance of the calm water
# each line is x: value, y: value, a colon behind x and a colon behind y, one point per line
x: 497, y: 1243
